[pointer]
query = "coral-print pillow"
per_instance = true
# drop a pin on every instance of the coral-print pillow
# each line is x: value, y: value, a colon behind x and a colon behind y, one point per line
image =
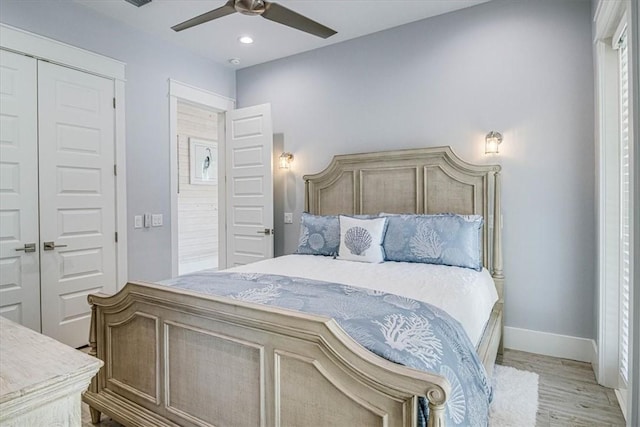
x: 361, y: 239
x: 319, y: 235
x: 446, y: 239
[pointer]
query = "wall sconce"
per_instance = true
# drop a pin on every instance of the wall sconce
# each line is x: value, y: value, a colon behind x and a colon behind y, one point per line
x: 285, y: 160
x: 492, y: 141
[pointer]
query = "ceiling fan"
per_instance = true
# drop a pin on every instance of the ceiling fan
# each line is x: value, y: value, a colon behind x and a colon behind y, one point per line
x: 266, y: 9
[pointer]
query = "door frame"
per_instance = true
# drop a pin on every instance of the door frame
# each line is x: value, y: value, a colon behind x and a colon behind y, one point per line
x: 220, y: 104
x: 609, y: 19
x: 43, y: 48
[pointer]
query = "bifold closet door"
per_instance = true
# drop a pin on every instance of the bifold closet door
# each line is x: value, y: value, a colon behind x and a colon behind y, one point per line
x: 77, y: 197
x: 19, y: 255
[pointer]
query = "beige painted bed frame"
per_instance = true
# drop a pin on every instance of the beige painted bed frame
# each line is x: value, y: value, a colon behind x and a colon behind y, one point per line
x: 174, y: 357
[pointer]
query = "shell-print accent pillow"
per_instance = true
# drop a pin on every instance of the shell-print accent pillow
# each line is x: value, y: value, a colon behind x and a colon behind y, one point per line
x: 361, y: 239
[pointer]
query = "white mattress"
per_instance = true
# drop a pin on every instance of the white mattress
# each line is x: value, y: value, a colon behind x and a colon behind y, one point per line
x: 465, y: 294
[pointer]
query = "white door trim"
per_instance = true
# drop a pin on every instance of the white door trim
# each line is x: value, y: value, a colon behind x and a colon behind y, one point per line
x: 221, y: 104
x: 41, y: 47
x: 608, y: 21
x: 607, y: 196
x: 27, y: 43
x: 633, y: 414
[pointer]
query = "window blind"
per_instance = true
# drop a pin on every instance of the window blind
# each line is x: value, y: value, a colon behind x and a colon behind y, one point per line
x: 625, y: 253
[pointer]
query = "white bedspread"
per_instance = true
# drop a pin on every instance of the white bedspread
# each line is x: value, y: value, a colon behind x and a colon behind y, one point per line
x: 465, y: 294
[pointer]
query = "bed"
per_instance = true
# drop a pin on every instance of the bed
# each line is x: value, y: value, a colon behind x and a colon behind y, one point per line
x: 167, y: 351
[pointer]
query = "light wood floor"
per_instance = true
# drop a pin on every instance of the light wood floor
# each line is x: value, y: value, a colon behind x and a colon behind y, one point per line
x: 568, y: 394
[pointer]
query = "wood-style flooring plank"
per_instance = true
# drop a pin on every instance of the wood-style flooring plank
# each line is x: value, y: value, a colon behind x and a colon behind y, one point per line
x: 568, y: 394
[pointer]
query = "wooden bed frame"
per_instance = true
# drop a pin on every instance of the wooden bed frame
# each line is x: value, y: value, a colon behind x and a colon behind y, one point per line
x: 174, y: 357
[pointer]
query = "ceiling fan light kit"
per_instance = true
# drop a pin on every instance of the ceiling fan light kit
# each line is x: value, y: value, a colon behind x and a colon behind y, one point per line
x: 268, y: 10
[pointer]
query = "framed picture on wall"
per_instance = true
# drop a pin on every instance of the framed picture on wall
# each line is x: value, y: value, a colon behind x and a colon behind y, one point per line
x: 203, y: 158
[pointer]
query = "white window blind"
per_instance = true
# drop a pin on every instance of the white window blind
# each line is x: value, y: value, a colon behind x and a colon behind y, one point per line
x: 625, y: 254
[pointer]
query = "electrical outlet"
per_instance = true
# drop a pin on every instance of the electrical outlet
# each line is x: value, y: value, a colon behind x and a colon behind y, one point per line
x: 147, y: 220
x: 288, y: 218
x: 156, y: 220
x: 137, y: 221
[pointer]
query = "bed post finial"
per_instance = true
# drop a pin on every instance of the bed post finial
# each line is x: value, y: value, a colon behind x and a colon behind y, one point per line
x: 93, y: 351
x: 497, y: 231
x: 437, y: 398
x: 307, y: 195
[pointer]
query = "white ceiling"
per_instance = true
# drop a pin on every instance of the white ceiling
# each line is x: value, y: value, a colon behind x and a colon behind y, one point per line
x: 218, y: 39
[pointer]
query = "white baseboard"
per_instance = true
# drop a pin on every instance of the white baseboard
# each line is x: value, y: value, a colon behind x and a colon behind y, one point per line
x: 595, y: 363
x: 548, y: 344
x: 622, y: 400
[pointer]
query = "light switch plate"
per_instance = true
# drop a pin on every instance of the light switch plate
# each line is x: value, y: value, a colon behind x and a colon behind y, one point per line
x: 288, y: 218
x: 147, y: 220
x: 137, y: 221
x: 156, y: 220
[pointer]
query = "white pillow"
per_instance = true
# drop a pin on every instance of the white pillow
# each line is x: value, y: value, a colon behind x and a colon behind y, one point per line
x: 361, y: 239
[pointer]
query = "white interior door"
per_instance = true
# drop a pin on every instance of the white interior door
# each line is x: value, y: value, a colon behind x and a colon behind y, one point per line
x: 77, y: 197
x: 19, y: 268
x: 249, y: 141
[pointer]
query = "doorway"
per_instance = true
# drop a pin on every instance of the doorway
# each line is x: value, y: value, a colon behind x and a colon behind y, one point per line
x: 198, y: 164
x: 211, y: 103
x: 244, y: 146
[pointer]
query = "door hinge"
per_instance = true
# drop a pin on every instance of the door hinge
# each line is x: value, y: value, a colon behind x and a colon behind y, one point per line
x: 114, y: 102
x: 116, y: 237
x: 115, y: 170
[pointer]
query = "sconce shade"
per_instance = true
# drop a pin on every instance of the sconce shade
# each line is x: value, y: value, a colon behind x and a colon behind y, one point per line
x: 285, y: 160
x: 492, y: 141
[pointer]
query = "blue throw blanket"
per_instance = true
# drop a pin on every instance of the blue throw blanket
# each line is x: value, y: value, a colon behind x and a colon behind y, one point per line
x: 399, y: 329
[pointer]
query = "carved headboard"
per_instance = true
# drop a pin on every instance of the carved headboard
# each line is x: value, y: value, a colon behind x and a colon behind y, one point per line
x: 425, y: 180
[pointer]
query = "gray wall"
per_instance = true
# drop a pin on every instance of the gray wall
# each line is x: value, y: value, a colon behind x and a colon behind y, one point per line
x: 149, y: 64
x: 521, y: 68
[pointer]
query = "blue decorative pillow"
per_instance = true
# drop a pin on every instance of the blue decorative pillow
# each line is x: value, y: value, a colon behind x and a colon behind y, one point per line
x: 446, y: 239
x: 319, y: 235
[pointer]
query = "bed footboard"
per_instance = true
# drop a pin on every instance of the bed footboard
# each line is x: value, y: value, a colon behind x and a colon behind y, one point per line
x: 173, y: 357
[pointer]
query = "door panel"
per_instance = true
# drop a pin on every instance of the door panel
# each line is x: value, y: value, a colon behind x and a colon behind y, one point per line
x: 19, y: 269
x: 249, y: 139
x: 77, y: 197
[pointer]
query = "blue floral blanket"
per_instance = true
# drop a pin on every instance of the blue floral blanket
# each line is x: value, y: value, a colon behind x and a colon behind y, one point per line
x: 402, y: 330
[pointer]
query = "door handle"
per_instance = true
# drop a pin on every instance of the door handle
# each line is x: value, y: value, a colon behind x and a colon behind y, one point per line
x: 28, y: 247
x: 49, y: 246
x: 266, y: 231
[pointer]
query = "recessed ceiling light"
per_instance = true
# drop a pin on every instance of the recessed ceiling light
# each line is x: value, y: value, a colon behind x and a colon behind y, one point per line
x: 234, y: 61
x: 245, y: 40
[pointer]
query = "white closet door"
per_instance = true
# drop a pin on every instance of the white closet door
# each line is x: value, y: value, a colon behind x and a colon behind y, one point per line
x: 77, y: 197
x: 249, y: 140
x: 19, y: 269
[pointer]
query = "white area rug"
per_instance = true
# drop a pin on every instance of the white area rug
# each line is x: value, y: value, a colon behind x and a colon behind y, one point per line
x: 515, y: 398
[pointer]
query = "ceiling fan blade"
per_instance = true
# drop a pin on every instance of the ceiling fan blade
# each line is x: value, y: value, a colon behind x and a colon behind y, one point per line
x: 282, y: 15
x: 225, y: 10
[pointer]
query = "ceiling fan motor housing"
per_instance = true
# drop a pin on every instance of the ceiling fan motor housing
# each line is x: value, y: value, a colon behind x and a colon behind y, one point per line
x: 250, y: 7
x: 138, y: 3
